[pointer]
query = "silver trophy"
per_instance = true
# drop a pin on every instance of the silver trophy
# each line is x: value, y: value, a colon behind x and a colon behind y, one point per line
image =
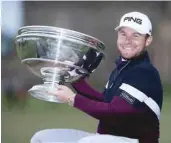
x: 57, y: 55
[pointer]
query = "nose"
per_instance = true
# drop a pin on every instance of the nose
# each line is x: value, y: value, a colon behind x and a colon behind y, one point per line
x: 128, y: 40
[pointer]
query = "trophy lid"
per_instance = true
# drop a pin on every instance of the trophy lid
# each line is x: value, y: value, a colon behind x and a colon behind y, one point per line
x: 50, y: 31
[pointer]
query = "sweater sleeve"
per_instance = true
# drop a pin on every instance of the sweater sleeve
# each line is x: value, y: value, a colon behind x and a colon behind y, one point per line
x: 124, y: 103
x: 83, y: 88
x: 104, y: 111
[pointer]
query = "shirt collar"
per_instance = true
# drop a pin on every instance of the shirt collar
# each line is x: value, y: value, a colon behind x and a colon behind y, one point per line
x: 143, y: 57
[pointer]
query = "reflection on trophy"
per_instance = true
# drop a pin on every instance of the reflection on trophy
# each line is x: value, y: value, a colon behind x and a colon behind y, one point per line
x: 57, y: 56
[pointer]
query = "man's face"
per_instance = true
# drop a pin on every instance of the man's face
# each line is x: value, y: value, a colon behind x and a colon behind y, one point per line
x: 131, y: 43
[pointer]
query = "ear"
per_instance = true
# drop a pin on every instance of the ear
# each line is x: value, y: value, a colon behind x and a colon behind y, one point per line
x: 149, y: 41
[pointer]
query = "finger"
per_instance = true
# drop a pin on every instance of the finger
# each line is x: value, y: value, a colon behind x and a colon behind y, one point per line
x: 53, y: 92
x: 60, y: 98
x: 57, y: 86
x: 61, y: 87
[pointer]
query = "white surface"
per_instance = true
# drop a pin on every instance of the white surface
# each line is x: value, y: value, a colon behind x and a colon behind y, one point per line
x: 76, y: 136
x: 107, y: 139
x: 58, y: 136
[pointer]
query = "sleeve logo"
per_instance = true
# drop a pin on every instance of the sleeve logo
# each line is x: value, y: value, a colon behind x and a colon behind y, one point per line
x: 127, y: 97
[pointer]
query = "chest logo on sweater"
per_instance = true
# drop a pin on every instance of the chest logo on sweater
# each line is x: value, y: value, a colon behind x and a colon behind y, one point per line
x: 127, y: 97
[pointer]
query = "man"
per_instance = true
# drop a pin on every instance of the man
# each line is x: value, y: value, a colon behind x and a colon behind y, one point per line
x: 132, y: 100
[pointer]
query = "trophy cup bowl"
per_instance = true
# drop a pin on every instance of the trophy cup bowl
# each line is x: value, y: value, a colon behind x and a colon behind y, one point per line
x: 57, y: 55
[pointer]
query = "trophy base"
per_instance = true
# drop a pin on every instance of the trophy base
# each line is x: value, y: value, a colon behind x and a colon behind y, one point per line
x: 41, y: 92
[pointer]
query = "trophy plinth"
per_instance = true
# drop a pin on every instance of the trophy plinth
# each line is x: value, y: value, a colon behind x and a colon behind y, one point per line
x: 57, y: 55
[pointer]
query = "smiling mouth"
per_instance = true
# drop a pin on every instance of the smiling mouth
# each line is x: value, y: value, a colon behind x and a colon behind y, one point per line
x: 126, y: 48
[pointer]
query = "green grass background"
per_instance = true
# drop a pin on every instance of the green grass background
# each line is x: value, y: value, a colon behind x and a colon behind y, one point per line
x: 21, y: 121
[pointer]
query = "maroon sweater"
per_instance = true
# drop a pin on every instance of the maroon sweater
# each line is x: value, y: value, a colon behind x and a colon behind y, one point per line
x: 117, y: 117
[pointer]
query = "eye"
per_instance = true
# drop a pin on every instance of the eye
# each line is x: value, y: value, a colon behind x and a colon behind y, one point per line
x: 136, y: 35
x: 122, y: 34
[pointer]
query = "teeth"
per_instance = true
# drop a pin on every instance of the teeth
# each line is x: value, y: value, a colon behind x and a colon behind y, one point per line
x: 128, y: 48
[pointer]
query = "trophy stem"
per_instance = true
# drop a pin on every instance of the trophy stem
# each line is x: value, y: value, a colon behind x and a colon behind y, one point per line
x: 52, y: 76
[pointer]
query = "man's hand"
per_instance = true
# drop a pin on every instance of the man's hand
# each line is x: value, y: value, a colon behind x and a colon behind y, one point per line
x: 64, y: 94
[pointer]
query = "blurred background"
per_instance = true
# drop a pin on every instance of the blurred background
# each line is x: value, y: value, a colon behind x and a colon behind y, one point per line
x: 23, y: 115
